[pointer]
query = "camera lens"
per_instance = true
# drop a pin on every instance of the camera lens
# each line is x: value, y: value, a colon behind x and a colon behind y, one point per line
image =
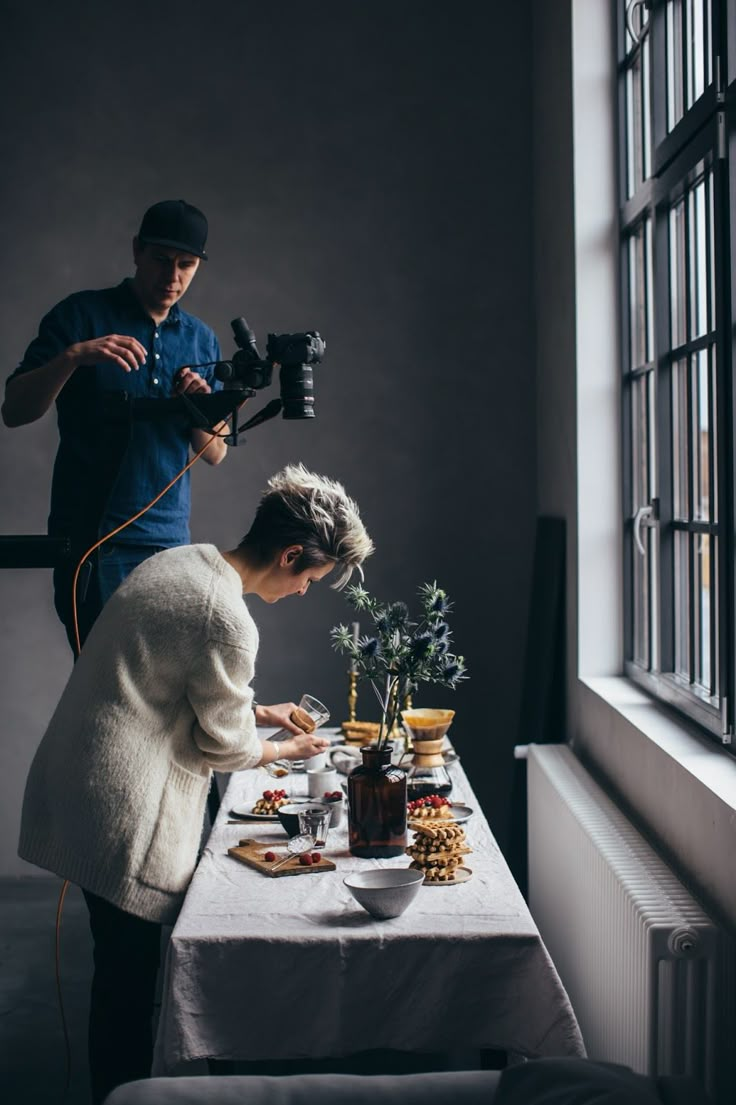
x: 297, y: 391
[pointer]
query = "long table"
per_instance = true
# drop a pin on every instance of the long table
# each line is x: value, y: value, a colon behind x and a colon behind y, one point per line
x: 293, y: 968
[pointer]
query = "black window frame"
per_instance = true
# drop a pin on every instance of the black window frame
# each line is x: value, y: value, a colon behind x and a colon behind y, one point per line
x: 702, y: 141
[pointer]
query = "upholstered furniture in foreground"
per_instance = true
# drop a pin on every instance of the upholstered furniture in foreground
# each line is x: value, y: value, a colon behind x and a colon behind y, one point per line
x: 540, y: 1082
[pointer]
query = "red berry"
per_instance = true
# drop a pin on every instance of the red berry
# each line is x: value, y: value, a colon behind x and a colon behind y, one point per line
x: 436, y: 801
x: 268, y: 795
x: 269, y: 856
x: 337, y: 794
x: 305, y: 860
x: 316, y: 857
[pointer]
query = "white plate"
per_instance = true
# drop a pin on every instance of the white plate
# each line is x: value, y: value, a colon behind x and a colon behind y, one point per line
x: 460, y: 812
x: 246, y: 813
x: 462, y: 874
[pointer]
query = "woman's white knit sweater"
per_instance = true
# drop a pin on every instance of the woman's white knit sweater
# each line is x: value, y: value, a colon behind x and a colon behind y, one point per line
x: 159, y: 696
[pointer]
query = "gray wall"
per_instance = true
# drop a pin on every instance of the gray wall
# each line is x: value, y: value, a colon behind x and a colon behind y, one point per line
x: 366, y: 171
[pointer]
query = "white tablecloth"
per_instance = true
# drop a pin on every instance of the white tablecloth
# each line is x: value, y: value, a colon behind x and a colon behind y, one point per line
x: 288, y: 968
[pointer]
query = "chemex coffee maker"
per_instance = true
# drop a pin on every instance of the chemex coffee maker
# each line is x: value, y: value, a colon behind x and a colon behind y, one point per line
x: 427, y: 773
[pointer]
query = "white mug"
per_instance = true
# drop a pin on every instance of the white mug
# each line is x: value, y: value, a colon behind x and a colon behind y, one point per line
x: 315, y: 763
x: 321, y: 779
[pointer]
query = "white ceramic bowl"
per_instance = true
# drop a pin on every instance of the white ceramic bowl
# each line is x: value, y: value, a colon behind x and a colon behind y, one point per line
x: 386, y: 892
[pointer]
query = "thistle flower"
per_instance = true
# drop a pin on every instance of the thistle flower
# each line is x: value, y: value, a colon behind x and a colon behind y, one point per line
x: 421, y: 645
x: 397, y: 615
x: 401, y: 654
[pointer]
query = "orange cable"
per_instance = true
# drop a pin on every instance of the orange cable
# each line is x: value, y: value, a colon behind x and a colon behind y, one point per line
x: 123, y: 525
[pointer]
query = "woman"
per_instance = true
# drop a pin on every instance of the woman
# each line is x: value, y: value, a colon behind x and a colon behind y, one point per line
x: 161, y: 696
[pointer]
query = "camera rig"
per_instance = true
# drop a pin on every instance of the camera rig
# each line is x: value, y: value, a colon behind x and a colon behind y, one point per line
x: 242, y: 376
x: 245, y: 374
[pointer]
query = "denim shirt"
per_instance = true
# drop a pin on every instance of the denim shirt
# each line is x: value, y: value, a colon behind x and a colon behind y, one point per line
x: 101, y: 478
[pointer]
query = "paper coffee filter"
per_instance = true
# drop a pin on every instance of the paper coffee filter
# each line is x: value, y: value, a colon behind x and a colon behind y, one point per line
x: 426, y: 724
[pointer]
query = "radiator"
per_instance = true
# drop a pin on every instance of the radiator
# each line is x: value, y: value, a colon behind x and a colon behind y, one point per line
x: 648, y: 972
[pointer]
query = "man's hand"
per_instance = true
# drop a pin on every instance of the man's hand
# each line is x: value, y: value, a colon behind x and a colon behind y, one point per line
x: 122, y: 350
x: 279, y: 715
x: 187, y: 382
x: 29, y: 395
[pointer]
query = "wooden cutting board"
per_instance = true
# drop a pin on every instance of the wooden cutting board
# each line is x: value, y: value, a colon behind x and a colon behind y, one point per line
x: 251, y: 853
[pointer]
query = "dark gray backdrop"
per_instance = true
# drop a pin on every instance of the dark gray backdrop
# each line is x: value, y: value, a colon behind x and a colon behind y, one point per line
x: 366, y: 171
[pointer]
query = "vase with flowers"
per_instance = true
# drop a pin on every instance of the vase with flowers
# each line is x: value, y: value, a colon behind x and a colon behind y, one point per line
x: 396, y: 657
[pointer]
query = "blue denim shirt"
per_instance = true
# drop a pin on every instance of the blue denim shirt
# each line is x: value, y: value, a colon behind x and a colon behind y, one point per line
x: 98, y: 482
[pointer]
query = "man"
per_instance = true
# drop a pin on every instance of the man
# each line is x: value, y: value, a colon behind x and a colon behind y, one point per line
x: 159, y: 698
x: 132, y: 338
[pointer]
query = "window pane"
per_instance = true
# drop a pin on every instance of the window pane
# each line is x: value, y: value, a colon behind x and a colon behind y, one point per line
x: 698, y: 30
x: 646, y: 112
x: 701, y: 611
x: 710, y: 241
x: 678, y: 302
x: 682, y: 604
x: 688, y: 50
x: 640, y: 444
x: 642, y: 411
x: 714, y: 621
x: 635, y: 167
x: 713, y: 504
x: 698, y: 260
x: 680, y: 480
x: 641, y: 327
x: 702, y: 444
x: 674, y: 63
x: 642, y: 600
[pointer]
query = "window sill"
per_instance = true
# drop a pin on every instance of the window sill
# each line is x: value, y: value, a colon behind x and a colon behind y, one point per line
x: 701, y: 757
x: 673, y: 780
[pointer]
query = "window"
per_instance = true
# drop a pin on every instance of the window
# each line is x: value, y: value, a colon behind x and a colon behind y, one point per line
x: 676, y: 128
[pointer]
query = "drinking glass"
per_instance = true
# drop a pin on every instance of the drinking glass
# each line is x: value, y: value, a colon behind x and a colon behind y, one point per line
x: 315, y: 821
x: 319, y: 714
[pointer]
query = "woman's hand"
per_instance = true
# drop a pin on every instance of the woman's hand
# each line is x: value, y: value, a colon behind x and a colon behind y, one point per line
x: 302, y: 747
x: 279, y: 715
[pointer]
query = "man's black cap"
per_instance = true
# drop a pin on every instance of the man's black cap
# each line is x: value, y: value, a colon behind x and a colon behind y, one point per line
x: 176, y: 224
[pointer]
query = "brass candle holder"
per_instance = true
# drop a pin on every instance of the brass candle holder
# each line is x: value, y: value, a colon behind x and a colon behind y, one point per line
x: 352, y: 694
x: 361, y: 732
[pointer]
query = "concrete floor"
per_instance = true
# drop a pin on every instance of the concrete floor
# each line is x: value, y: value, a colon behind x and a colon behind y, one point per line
x: 32, y: 1051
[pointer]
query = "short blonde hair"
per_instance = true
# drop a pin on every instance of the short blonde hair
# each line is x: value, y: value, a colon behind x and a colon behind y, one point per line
x: 300, y: 507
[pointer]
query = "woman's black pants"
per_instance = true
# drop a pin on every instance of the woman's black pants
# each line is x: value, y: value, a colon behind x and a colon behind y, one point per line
x: 126, y: 959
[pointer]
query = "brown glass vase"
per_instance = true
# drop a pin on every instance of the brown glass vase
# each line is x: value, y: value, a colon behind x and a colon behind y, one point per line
x: 377, y: 805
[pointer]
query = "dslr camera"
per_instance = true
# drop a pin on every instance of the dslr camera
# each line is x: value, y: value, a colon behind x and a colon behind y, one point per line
x: 293, y: 353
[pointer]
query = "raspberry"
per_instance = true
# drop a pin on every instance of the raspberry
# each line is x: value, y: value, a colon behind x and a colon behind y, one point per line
x: 436, y: 801
x: 268, y: 795
x: 269, y: 856
x: 305, y: 860
x: 316, y: 857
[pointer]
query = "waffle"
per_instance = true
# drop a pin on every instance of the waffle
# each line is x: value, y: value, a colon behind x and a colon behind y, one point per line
x: 361, y: 730
x: 433, y: 808
x: 438, y: 850
x: 270, y: 802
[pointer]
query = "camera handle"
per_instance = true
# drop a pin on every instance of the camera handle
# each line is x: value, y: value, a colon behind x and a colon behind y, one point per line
x: 263, y: 415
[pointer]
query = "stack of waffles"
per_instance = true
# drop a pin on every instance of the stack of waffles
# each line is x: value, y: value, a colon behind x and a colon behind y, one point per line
x: 438, y: 849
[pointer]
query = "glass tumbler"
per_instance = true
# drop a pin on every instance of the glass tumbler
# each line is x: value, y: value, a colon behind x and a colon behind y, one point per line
x: 315, y: 821
x: 319, y: 714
